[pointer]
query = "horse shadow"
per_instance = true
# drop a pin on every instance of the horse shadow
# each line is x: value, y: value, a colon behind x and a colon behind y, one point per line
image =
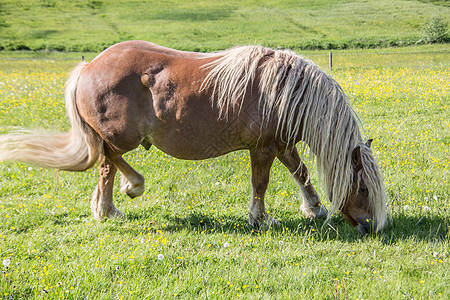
x: 399, y: 228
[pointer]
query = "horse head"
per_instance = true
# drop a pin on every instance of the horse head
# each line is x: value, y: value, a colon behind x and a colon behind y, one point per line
x: 365, y: 206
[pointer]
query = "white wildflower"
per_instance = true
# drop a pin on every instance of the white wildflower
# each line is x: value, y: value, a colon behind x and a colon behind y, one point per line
x: 406, y: 207
x: 226, y: 245
x: 160, y: 256
x: 426, y: 208
x: 6, y: 262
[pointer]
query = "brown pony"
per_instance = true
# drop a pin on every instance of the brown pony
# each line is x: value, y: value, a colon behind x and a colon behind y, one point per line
x: 197, y: 106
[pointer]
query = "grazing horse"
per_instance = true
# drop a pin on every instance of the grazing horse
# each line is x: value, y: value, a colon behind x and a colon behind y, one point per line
x: 202, y: 105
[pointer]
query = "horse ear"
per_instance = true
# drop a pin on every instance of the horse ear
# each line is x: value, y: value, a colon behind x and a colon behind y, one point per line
x: 356, y: 158
x: 369, y: 142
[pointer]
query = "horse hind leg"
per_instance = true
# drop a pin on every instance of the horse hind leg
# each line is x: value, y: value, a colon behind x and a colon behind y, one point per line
x: 311, y: 207
x: 261, y: 161
x: 137, y: 186
x: 102, y: 199
x: 131, y: 183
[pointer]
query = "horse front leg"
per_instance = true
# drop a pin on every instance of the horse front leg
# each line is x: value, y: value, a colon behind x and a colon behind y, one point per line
x: 102, y: 199
x: 311, y: 206
x: 261, y: 161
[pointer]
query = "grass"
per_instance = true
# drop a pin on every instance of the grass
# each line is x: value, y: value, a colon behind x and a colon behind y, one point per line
x: 188, y: 237
x: 86, y: 25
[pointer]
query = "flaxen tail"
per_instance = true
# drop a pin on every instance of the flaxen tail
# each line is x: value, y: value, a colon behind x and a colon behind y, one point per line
x: 76, y: 150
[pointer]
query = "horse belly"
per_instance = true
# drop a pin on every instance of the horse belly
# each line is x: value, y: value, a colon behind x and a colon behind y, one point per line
x: 199, y: 140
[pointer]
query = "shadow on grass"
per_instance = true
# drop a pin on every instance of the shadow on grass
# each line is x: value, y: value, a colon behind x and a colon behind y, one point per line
x: 419, y: 228
x: 400, y: 227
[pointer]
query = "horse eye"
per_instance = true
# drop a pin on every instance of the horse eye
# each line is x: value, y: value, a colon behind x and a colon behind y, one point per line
x: 363, y: 190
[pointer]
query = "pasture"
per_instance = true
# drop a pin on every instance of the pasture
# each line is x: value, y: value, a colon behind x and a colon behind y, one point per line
x: 205, y: 25
x: 188, y: 235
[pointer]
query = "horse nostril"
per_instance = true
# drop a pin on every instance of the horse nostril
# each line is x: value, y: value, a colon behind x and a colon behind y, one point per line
x: 363, y: 229
x: 367, y: 227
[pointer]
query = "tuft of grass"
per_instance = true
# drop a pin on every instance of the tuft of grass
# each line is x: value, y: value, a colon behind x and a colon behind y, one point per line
x: 188, y: 236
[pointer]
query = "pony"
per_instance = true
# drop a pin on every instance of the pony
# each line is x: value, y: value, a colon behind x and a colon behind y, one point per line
x: 201, y: 105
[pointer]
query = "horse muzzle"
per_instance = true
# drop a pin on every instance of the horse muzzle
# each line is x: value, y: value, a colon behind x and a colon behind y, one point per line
x: 365, y: 229
x: 368, y: 226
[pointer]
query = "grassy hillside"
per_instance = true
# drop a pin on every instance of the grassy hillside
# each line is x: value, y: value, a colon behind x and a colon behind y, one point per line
x: 88, y: 25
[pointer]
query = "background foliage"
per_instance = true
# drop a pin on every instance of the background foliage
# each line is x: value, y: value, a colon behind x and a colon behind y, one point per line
x: 435, y: 30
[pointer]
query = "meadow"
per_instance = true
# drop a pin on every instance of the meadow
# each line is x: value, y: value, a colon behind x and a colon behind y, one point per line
x: 188, y: 236
x: 205, y: 25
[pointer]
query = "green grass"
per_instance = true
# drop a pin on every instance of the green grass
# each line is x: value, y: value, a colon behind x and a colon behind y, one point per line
x: 86, y: 25
x: 191, y: 210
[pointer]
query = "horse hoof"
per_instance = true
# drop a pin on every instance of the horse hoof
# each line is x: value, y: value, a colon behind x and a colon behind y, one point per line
x: 98, y: 217
x: 116, y: 214
x: 314, y: 212
x: 263, y: 223
x: 131, y: 191
x: 113, y: 214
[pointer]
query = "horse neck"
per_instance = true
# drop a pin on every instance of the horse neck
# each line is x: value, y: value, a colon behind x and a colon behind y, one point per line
x: 331, y: 130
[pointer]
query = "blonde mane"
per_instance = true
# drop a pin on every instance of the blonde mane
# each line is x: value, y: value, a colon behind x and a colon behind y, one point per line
x: 296, y: 93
